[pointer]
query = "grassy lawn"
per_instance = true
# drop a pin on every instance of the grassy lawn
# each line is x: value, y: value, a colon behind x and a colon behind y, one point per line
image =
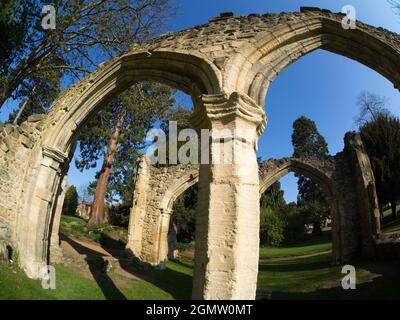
x: 388, y: 212
x: 172, y: 283
x: 297, y: 277
x: 314, y: 245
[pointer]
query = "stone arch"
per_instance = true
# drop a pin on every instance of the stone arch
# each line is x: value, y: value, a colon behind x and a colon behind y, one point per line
x: 177, y: 189
x: 156, y: 189
x: 226, y: 66
x: 188, y: 72
x: 49, y: 161
x: 261, y: 60
x: 346, y: 177
x: 321, y: 171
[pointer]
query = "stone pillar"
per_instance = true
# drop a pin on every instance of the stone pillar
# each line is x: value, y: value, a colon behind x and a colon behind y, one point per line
x: 55, y: 249
x: 172, y: 241
x: 35, y: 230
x: 161, y: 242
x: 227, y: 219
x: 134, y: 242
x: 367, y: 200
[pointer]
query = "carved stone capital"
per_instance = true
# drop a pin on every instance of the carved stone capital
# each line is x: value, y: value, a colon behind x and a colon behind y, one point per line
x: 55, y: 158
x: 55, y: 154
x: 228, y: 111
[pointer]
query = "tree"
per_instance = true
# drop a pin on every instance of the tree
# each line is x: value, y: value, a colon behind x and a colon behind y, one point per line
x: 273, y: 197
x: 180, y: 115
x: 381, y: 138
x: 70, y: 201
x: 308, y: 142
x: 117, y: 134
x: 272, y: 227
x: 371, y: 106
x: 184, y: 208
x: 184, y: 214
x: 395, y: 5
x: 86, y: 33
x: 272, y: 221
x: 84, y: 193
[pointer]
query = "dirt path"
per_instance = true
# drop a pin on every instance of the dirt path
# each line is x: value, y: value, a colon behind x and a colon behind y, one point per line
x: 83, y: 248
x: 87, y: 257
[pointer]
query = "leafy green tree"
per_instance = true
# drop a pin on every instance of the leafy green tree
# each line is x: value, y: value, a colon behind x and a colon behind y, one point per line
x: 308, y: 142
x: 381, y: 138
x: 295, y: 229
x: 272, y: 227
x: 180, y: 115
x: 184, y: 208
x: 86, y: 33
x: 184, y: 214
x: 117, y: 134
x: 70, y: 201
x: 273, y: 197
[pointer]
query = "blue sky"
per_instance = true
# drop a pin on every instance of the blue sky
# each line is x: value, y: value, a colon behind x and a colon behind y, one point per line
x: 322, y: 86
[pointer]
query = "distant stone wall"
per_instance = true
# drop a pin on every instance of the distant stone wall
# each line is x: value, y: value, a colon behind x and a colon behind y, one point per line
x: 156, y: 189
x: 346, y: 178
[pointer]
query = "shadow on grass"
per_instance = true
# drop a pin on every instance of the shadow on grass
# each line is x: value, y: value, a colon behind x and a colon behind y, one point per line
x: 182, y: 263
x: 176, y: 283
x: 378, y: 289
x: 97, y: 264
x: 383, y: 283
x: 301, y: 264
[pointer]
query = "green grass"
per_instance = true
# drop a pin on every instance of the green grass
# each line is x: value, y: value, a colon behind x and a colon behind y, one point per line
x: 388, y: 211
x: 315, y: 244
x: 297, y: 278
x: 15, y: 284
x: 314, y: 278
x: 77, y: 227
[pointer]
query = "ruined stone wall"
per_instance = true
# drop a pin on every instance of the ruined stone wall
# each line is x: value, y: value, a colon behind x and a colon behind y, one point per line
x: 16, y: 144
x: 155, y: 192
x: 342, y: 177
x: 228, y: 57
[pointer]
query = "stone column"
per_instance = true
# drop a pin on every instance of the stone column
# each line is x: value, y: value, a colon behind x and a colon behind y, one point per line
x: 172, y: 241
x: 227, y: 219
x: 134, y: 242
x: 35, y: 230
x: 161, y: 242
x: 55, y: 249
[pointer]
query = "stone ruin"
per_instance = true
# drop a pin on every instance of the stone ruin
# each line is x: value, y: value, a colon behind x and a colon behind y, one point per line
x: 226, y: 66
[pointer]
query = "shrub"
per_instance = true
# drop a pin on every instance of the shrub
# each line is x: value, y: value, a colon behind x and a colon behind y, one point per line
x: 118, y: 215
x: 70, y: 202
x: 272, y: 227
x: 295, y: 230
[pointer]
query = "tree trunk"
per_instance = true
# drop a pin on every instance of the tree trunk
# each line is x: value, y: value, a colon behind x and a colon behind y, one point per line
x: 393, y: 205
x: 97, y: 214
